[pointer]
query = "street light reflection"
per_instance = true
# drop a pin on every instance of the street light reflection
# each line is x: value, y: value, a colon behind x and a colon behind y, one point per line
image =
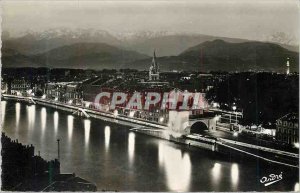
x: 234, y: 175
x: 18, y: 106
x: 296, y: 187
x: 216, y: 172
x: 160, y: 154
x: 55, y: 119
x: 107, y: 137
x: 177, y: 167
x: 31, y: 116
x: 70, y: 126
x: 131, y: 143
x: 3, y: 108
x: 43, y: 119
x: 87, y: 128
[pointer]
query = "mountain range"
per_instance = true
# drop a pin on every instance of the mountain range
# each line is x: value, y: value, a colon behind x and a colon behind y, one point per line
x: 98, y: 49
x: 220, y: 55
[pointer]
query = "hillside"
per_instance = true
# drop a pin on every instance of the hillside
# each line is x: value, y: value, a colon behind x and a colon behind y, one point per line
x: 173, y: 45
x: 221, y: 55
x: 12, y: 58
x: 87, y: 55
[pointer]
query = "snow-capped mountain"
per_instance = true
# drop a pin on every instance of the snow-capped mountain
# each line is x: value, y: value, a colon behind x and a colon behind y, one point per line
x: 167, y: 43
x: 38, y: 42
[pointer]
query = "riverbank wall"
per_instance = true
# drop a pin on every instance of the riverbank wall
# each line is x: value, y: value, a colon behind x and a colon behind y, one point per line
x: 186, y: 140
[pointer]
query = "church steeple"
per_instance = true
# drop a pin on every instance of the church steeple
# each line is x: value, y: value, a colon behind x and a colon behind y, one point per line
x: 154, y: 69
x: 154, y: 63
x: 287, y: 66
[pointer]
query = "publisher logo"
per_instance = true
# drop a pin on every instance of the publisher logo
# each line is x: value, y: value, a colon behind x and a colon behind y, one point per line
x: 271, y: 179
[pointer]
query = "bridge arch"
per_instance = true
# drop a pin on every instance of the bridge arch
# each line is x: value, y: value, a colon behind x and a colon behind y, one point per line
x: 199, y: 127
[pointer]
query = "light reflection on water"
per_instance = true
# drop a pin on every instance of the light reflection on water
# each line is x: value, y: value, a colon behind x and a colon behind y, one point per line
x: 43, y: 119
x: 216, y: 172
x: 107, y: 137
x: 18, y: 106
x: 87, y: 128
x: 296, y: 188
x: 234, y: 175
x: 160, y: 154
x: 55, y: 122
x: 70, y: 126
x: 31, y: 116
x: 3, y: 111
x: 131, y: 144
x: 177, y: 167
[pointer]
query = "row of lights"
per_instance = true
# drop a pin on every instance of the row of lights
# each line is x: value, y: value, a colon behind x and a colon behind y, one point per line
x: 217, y: 105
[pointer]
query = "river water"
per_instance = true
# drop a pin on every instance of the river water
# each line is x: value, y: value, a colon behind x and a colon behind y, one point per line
x: 117, y: 159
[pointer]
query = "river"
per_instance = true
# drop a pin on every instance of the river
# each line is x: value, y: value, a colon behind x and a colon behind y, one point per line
x: 117, y: 159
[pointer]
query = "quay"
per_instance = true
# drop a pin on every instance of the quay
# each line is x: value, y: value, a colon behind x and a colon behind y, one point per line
x: 215, y: 144
x: 23, y: 170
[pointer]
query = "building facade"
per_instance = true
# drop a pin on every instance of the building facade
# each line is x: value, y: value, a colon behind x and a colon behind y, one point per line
x: 287, y: 129
x: 68, y: 92
x: 19, y: 87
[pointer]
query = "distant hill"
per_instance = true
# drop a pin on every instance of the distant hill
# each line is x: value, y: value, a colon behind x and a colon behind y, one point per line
x: 174, y: 44
x: 32, y: 43
x: 12, y: 58
x: 221, y: 55
x: 166, y: 43
x: 87, y: 55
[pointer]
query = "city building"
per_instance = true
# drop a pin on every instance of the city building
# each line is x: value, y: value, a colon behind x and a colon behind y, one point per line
x: 19, y: 87
x: 55, y: 91
x: 287, y: 129
x: 3, y: 86
x: 73, y: 93
x: 154, y: 69
x: 70, y: 92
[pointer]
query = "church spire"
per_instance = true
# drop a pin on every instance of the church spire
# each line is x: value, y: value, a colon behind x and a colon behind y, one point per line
x: 287, y: 66
x: 154, y: 69
x: 154, y: 59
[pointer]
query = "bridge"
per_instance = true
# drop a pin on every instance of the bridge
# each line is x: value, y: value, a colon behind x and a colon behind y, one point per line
x: 200, y: 125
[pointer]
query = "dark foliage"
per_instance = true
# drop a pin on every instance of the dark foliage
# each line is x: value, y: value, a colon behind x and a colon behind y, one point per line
x: 263, y: 97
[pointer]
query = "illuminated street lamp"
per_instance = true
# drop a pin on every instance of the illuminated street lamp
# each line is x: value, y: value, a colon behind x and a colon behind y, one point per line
x: 296, y: 145
x: 131, y: 114
x: 234, y: 108
x: 87, y: 104
x: 44, y: 96
x: 70, y: 101
x: 215, y: 105
x: 235, y: 134
x: 161, y: 119
x: 116, y: 113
